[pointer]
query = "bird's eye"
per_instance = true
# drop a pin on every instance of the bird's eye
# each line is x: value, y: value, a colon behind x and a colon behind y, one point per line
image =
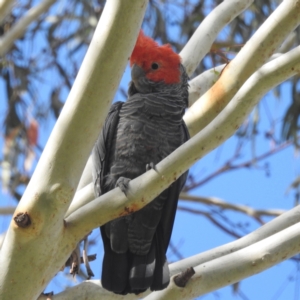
x: 154, y: 66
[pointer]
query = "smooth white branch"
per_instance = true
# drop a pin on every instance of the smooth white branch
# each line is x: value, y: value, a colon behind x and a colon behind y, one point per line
x: 252, y: 56
x: 199, y: 85
x: 202, y: 39
x: 288, y: 43
x: 278, y: 224
x: 5, y: 8
x: 86, y: 176
x: 19, y: 28
x: 236, y: 266
x: 91, y: 290
x: 45, y: 244
x: 81, y: 198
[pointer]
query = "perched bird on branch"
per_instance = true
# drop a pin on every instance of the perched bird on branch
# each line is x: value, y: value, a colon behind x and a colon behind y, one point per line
x: 137, y: 134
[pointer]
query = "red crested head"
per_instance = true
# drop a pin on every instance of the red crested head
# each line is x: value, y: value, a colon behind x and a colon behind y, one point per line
x: 160, y: 63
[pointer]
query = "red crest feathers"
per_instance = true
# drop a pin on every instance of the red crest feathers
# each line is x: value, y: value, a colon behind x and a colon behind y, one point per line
x: 147, y: 52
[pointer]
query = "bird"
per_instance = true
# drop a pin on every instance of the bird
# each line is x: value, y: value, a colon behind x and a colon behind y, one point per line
x: 138, y: 134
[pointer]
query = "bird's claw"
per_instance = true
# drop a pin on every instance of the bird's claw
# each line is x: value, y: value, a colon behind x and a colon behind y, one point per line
x: 123, y: 184
x: 151, y: 166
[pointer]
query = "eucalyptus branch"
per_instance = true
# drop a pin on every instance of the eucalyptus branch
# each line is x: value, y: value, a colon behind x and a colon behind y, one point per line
x: 91, y: 290
x: 248, y: 210
x: 288, y: 43
x: 21, y: 26
x: 81, y: 197
x: 38, y: 224
x: 257, y: 50
x: 199, y: 85
x: 201, y: 41
x: 235, y: 266
x: 102, y: 209
x: 86, y: 176
x: 239, y: 267
x: 5, y: 8
x: 278, y: 224
x: 8, y: 210
x: 2, y: 237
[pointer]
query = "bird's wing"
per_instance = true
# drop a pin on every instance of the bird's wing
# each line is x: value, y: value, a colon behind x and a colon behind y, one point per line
x: 169, y: 210
x: 102, y: 147
x: 115, y: 266
x: 165, y: 226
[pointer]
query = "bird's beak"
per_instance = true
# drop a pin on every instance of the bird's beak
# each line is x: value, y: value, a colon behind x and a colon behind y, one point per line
x: 136, y: 72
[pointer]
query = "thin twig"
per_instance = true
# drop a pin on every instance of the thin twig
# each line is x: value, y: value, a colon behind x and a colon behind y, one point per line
x: 247, y: 164
x: 213, y: 220
x: 20, y: 27
x: 9, y: 210
x: 250, y: 211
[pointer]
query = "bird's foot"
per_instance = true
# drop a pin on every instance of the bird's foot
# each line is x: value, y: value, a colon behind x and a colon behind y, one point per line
x: 151, y: 166
x: 123, y: 184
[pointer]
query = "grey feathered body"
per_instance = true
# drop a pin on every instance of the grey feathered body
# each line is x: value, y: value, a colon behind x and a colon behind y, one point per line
x: 143, y: 130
